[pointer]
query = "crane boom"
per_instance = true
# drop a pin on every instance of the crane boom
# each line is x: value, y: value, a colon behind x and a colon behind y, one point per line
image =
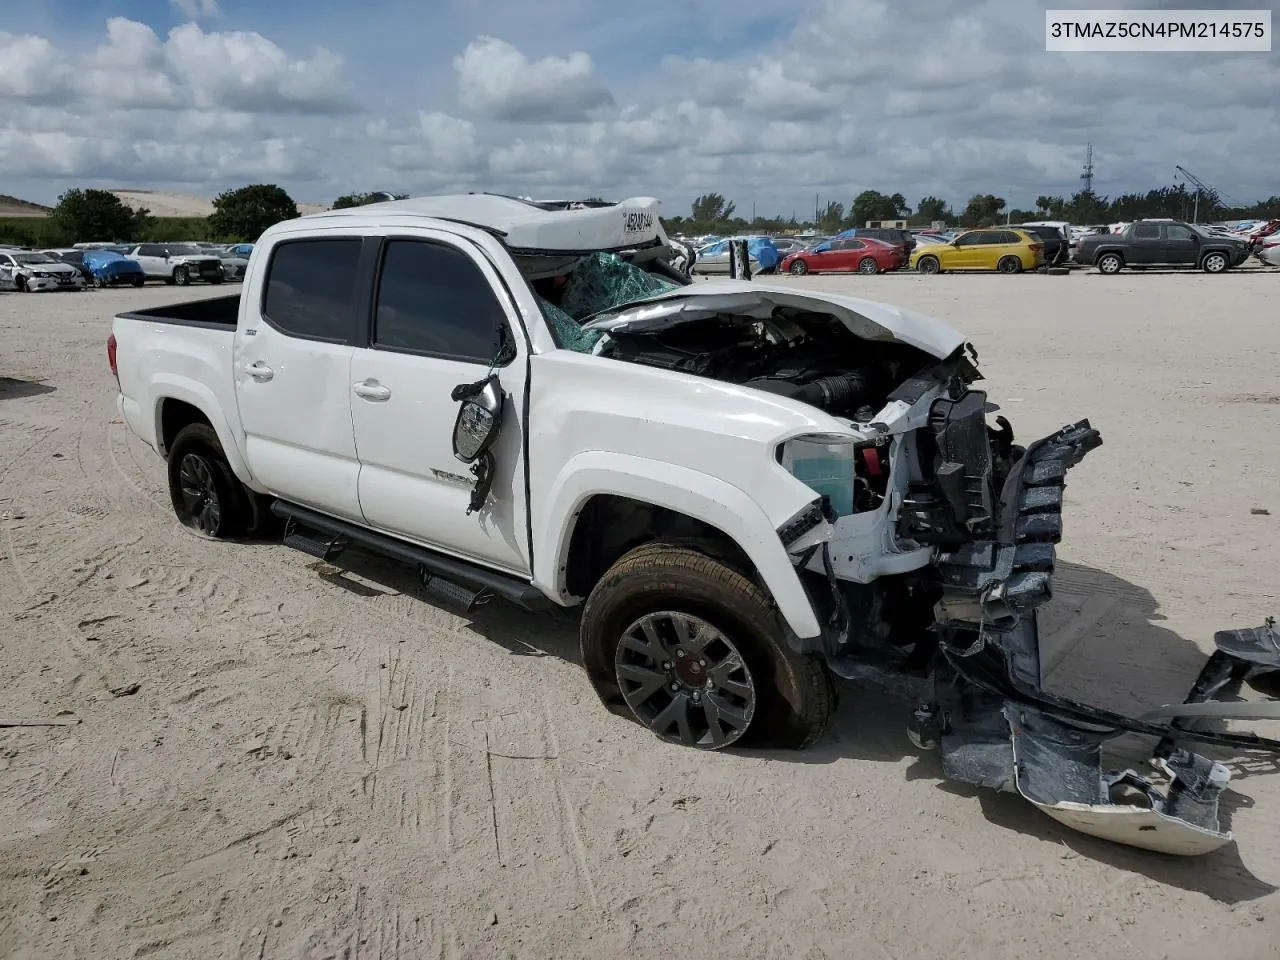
x: 1202, y: 187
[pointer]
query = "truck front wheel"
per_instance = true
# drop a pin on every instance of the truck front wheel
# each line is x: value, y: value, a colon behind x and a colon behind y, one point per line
x: 206, y: 495
x: 694, y: 651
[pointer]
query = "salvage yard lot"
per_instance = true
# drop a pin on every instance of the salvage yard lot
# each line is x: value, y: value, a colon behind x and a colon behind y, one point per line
x: 278, y: 759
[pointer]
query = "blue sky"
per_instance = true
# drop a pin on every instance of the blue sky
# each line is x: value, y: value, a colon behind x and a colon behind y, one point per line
x: 764, y: 101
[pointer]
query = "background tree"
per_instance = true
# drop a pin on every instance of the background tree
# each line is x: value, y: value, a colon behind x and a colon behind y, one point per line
x: 832, y: 219
x: 243, y: 214
x: 86, y: 215
x: 932, y: 208
x: 874, y: 205
x: 712, y: 208
x: 983, y: 209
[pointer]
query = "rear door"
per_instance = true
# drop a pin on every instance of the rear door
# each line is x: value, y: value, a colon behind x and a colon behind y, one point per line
x: 1180, y: 246
x: 1148, y: 246
x: 292, y: 362
x: 439, y: 321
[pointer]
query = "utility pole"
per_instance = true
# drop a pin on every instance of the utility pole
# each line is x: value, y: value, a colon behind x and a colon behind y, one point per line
x: 1087, y: 176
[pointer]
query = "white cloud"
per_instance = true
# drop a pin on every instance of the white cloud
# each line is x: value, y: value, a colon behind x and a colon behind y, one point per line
x: 497, y: 81
x: 194, y: 9
x: 831, y: 97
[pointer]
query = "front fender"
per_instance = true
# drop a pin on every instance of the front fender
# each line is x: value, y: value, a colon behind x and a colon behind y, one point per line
x: 698, y: 495
x: 165, y: 386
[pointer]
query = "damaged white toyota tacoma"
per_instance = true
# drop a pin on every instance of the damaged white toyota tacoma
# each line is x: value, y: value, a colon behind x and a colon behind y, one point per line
x: 753, y: 489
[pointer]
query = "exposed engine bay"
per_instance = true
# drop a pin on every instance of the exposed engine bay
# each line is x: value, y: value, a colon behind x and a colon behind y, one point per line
x: 804, y: 356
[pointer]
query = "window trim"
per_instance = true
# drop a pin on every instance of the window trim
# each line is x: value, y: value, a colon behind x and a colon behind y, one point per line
x: 353, y: 337
x: 370, y: 338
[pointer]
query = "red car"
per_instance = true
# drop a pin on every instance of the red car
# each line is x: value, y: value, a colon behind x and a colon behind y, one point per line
x: 855, y: 255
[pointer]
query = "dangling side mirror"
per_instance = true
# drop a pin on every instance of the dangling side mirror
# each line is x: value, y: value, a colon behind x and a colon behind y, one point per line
x: 479, y: 418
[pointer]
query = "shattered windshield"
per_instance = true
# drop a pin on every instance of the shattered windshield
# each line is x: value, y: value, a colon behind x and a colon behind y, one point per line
x: 598, y: 282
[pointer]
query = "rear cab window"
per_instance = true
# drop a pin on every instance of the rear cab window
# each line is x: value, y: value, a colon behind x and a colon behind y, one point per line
x: 310, y: 291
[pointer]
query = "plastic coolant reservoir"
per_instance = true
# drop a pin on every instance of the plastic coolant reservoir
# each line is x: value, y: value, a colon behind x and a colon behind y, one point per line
x: 826, y: 468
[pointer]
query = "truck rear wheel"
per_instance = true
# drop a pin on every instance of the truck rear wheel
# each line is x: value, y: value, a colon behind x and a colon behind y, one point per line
x: 206, y: 495
x: 1109, y: 263
x: 693, y: 650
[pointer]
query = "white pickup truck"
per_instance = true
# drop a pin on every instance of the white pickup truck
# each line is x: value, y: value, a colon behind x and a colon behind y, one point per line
x: 753, y: 488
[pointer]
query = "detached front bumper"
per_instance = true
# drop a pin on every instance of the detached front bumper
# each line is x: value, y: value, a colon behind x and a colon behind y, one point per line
x: 997, y: 727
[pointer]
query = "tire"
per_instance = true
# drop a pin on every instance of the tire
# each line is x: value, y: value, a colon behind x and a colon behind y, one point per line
x: 1009, y: 265
x: 1215, y: 262
x: 782, y: 699
x: 215, y: 280
x: 1109, y: 263
x: 99, y: 282
x: 206, y: 496
x: 928, y: 264
x: 868, y: 265
x: 139, y: 281
x: 798, y: 268
x: 181, y: 276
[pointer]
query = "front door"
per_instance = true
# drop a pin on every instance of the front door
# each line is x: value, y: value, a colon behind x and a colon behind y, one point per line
x: 967, y: 253
x: 1180, y: 246
x: 292, y: 362
x: 438, y: 323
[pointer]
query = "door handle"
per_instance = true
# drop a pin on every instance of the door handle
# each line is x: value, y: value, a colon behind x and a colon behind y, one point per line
x: 259, y: 371
x: 371, y: 390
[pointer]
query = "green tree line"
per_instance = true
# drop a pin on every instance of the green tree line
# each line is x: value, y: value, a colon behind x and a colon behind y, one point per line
x: 243, y: 213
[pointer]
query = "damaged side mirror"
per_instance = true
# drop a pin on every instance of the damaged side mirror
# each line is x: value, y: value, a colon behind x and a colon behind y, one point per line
x: 479, y: 418
x: 475, y: 430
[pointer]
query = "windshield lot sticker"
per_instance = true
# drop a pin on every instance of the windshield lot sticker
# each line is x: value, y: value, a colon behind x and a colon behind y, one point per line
x: 637, y: 221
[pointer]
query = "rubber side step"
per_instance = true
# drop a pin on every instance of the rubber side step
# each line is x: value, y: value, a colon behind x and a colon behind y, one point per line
x: 458, y: 580
x: 313, y: 544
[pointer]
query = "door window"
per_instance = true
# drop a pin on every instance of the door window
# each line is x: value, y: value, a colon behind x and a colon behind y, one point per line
x: 1176, y: 231
x: 311, y: 289
x: 969, y: 239
x: 1146, y: 231
x: 434, y: 300
x: 151, y: 250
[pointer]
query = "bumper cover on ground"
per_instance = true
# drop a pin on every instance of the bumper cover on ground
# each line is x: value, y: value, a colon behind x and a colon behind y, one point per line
x: 997, y: 727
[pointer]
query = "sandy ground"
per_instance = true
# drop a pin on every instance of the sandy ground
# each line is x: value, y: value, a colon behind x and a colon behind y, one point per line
x: 163, y: 203
x: 275, y: 759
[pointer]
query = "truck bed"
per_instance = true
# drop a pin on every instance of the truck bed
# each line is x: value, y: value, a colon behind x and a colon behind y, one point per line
x: 218, y: 313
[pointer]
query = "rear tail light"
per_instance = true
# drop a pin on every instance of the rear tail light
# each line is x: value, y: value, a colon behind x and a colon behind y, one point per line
x: 1035, y: 248
x: 111, y: 357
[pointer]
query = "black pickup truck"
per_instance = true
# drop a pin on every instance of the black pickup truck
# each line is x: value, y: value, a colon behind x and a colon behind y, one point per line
x: 1160, y: 243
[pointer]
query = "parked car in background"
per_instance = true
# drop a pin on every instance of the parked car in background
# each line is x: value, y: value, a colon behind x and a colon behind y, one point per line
x: 233, y: 267
x: 110, y: 269
x: 714, y: 257
x: 240, y: 250
x: 31, y: 272
x: 1056, y: 238
x: 789, y: 245
x: 855, y: 255
x: 902, y: 238
x: 176, y: 263
x: 75, y: 258
x: 1002, y: 249
x: 1161, y: 243
x: 1268, y: 250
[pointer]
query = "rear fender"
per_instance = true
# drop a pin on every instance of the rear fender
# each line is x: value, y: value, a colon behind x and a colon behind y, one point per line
x: 694, y: 494
x: 166, y: 386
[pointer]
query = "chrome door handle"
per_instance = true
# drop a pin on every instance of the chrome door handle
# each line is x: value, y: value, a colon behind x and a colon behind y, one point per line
x: 371, y: 390
x: 259, y: 371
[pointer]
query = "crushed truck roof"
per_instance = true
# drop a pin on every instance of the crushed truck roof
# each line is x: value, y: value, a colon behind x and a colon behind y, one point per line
x: 527, y: 225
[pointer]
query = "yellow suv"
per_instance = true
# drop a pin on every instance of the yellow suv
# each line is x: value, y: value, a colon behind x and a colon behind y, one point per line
x: 995, y: 248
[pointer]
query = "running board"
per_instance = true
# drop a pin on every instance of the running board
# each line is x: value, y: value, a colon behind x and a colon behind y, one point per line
x: 446, y: 577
